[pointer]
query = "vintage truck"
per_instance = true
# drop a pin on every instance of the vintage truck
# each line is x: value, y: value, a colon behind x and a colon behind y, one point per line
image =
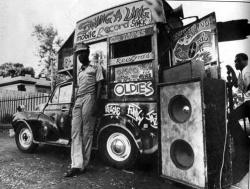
x: 139, y: 45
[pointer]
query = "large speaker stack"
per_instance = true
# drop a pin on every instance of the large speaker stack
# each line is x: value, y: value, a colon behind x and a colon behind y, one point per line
x: 192, y: 134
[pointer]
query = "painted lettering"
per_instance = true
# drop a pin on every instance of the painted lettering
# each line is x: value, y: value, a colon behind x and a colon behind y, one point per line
x: 203, y: 38
x: 138, y: 23
x: 86, y: 35
x: 133, y: 58
x: 112, y: 28
x: 134, y: 15
x: 152, y: 118
x: 128, y: 89
x: 135, y: 113
x: 118, y: 16
x: 196, y: 48
x: 112, y: 110
x: 131, y: 35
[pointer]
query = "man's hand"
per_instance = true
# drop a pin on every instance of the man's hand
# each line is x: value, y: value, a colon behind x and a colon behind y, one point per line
x: 231, y: 73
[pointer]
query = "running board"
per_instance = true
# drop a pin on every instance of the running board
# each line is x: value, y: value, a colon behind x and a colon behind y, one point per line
x: 59, y: 142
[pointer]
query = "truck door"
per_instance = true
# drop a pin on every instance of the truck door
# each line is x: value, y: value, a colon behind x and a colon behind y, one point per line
x: 58, y: 109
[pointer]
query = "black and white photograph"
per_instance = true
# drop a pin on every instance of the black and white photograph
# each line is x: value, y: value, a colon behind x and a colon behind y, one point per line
x: 124, y: 94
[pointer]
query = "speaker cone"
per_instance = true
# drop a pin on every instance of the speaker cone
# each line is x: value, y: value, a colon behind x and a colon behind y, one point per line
x: 182, y: 154
x: 179, y: 109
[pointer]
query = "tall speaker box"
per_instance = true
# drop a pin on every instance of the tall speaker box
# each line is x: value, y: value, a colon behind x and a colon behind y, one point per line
x: 192, y: 134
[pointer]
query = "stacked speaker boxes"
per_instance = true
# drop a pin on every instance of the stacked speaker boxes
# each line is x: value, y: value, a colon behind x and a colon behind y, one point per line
x: 193, y: 131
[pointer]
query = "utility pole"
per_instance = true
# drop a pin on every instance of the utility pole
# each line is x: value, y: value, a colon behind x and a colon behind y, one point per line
x: 52, y: 73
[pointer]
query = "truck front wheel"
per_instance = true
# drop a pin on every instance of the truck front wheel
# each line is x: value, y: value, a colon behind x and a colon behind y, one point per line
x: 117, y: 148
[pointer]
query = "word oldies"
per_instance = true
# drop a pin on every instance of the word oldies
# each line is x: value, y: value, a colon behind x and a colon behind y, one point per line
x: 128, y: 89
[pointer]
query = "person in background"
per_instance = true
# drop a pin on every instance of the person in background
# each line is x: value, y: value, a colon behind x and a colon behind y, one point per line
x: 83, y: 119
x: 240, y: 137
x: 243, y: 85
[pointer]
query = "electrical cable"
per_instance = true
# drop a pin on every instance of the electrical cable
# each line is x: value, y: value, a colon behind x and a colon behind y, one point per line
x: 225, y: 144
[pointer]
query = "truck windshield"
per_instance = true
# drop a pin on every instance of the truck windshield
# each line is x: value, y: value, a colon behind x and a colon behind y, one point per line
x: 65, y: 94
x: 62, y: 94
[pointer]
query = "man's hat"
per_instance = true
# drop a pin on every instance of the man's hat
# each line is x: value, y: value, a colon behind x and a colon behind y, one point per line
x: 81, y: 47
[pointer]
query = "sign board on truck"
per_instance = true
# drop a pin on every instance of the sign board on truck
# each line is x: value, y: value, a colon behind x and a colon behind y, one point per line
x: 196, y: 42
x: 125, y: 17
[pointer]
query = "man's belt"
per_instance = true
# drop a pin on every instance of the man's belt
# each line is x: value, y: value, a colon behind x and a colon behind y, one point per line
x: 82, y: 95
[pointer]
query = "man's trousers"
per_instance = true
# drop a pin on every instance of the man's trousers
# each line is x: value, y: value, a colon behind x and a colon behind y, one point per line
x: 82, y: 130
x: 241, y: 141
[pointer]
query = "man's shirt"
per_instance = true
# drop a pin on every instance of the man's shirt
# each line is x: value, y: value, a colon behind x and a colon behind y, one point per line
x: 244, y: 82
x: 88, y: 77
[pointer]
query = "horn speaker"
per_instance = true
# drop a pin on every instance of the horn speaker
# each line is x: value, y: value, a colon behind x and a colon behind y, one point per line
x: 178, y: 12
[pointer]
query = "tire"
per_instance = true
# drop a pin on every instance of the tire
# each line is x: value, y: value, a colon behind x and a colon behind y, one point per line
x: 121, y: 156
x: 24, y: 139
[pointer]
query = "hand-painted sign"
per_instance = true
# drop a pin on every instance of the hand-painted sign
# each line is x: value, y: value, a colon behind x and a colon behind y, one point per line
x: 196, y: 42
x: 136, y: 111
x: 152, y: 118
x: 129, y: 16
x: 68, y: 62
x: 131, y: 89
x: 137, y: 72
x: 65, y: 59
x: 132, y: 58
x: 132, y: 35
x: 112, y: 110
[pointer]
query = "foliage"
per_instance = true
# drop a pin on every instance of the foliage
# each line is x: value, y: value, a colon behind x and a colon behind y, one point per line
x: 49, y: 43
x: 15, y: 69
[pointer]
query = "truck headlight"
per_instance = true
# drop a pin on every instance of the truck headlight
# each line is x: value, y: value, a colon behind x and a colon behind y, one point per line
x: 21, y: 108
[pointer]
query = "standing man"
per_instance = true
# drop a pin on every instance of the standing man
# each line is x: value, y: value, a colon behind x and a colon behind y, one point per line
x: 83, y: 120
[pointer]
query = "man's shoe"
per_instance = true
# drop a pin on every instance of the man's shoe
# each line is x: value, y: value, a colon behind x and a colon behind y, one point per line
x: 72, y: 172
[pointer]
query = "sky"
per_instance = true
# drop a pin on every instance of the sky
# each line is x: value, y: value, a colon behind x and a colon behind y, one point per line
x: 18, y: 17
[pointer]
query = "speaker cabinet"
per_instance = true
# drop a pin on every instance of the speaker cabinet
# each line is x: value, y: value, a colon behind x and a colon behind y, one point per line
x: 193, y: 131
x: 183, y: 72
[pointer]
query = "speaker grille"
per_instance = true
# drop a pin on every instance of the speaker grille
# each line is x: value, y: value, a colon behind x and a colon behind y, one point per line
x: 182, y: 154
x: 179, y: 109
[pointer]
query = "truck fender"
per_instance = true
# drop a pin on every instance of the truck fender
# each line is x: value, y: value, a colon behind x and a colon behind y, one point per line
x: 104, y: 128
x: 15, y: 125
x: 31, y: 126
x: 21, y: 121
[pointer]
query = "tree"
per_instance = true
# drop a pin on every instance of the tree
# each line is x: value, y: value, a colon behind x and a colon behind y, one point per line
x: 49, y: 43
x: 15, y: 69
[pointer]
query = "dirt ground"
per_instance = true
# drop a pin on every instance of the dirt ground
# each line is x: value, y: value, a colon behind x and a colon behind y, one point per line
x: 44, y: 169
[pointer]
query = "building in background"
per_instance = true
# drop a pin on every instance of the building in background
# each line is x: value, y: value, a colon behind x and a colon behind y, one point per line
x: 25, y: 83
